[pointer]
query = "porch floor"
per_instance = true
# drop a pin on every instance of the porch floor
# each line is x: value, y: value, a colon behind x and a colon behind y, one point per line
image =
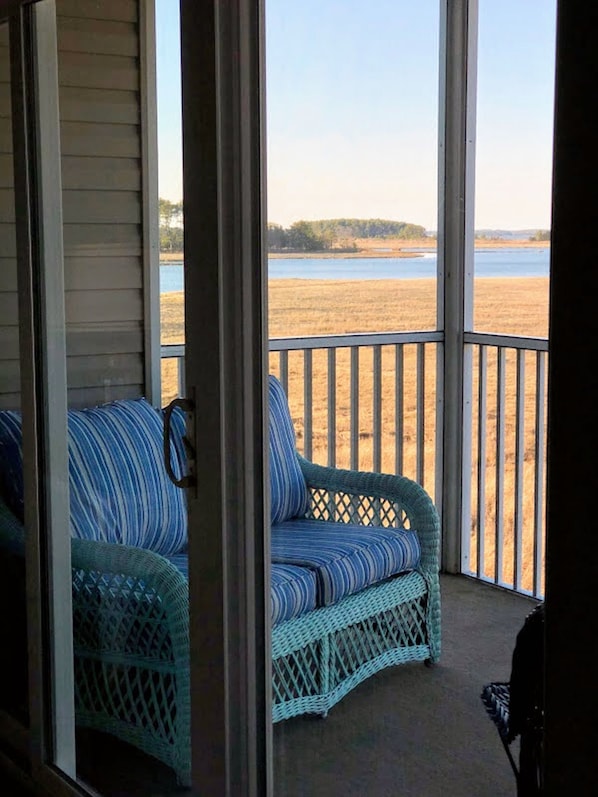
x: 411, y: 731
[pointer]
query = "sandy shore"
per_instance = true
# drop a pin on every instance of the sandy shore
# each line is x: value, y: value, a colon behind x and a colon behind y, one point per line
x: 381, y: 247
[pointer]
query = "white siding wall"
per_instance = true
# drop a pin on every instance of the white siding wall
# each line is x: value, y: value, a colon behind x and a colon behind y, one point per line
x: 9, y: 330
x: 100, y: 114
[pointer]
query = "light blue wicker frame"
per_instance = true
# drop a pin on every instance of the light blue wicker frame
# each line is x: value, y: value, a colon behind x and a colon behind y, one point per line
x: 131, y: 624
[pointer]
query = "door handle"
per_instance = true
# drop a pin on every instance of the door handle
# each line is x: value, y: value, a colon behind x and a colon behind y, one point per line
x: 188, y: 479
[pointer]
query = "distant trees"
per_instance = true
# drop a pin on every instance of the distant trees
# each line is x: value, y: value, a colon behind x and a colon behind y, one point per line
x: 301, y: 236
x: 368, y: 228
x: 171, y: 225
x: 325, y: 234
x: 541, y: 235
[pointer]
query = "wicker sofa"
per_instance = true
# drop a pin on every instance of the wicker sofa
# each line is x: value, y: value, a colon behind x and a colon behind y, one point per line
x: 354, y: 573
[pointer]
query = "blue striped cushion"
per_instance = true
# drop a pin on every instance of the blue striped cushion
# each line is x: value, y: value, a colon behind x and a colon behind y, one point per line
x: 345, y: 558
x: 288, y: 491
x: 11, y: 464
x: 293, y: 589
x: 119, y: 490
x: 293, y: 592
x: 12, y: 533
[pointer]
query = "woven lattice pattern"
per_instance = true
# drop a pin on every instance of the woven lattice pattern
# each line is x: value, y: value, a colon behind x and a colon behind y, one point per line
x: 299, y: 674
x: 318, y: 658
x: 129, y: 694
x: 131, y: 640
x: 101, y: 620
x: 401, y: 627
x: 363, y: 509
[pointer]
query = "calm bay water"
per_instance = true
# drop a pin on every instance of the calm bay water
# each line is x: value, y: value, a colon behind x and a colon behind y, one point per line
x: 491, y: 263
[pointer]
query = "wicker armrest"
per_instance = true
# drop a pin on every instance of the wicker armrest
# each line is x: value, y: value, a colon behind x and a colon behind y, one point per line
x: 381, y: 499
x: 122, y: 581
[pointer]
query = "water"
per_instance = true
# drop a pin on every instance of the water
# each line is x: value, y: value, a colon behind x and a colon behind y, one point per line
x: 512, y: 262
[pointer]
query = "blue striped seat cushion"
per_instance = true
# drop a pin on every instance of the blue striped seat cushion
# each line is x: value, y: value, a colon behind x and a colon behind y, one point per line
x: 119, y: 489
x: 293, y: 592
x: 288, y: 491
x: 345, y: 558
x: 293, y: 589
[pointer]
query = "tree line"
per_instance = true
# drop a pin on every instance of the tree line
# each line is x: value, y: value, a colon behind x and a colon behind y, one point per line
x: 339, y: 234
x: 311, y: 236
x: 171, y: 225
x: 302, y: 236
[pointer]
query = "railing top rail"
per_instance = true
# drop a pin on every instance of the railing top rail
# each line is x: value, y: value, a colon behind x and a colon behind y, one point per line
x: 331, y: 341
x: 354, y: 339
x: 506, y: 341
x: 383, y: 339
x: 172, y: 350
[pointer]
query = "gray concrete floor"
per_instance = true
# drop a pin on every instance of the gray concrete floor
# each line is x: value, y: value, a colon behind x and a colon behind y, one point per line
x: 411, y: 731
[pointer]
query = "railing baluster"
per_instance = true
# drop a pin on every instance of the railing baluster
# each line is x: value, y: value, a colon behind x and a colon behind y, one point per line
x: 331, y: 408
x: 307, y: 404
x: 354, y: 408
x: 539, y: 472
x: 284, y: 370
x: 420, y: 410
x: 399, y: 428
x: 500, y: 466
x: 519, y: 460
x: 180, y: 371
x: 377, y: 413
x: 482, y: 432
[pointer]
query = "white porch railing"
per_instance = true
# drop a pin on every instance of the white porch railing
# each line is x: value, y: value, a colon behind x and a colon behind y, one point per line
x: 504, y: 543
x: 370, y: 402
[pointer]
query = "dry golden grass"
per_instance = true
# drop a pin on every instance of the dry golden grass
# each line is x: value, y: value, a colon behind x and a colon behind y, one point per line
x: 312, y: 307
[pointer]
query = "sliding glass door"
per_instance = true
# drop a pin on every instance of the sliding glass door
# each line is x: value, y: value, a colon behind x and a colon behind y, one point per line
x: 138, y: 556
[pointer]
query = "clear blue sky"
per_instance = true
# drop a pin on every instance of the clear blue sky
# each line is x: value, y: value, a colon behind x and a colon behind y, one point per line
x: 352, y: 110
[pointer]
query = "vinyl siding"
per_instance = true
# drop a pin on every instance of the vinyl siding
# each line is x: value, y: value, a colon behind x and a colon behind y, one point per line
x: 9, y: 318
x: 100, y: 113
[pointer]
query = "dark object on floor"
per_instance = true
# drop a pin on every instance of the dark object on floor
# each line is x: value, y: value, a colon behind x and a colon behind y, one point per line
x: 517, y: 706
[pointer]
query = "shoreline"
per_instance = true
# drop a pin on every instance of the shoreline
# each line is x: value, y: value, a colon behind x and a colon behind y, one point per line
x: 310, y: 282
x: 406, y: 249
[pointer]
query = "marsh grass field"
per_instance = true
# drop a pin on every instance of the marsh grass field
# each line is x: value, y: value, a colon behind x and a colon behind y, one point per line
x: 517, y: 306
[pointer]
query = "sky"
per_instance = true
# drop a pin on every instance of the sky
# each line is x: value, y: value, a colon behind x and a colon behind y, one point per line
x: 352, y: 110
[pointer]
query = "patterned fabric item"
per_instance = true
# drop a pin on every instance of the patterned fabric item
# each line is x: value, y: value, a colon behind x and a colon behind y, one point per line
x: 12, y: 533
x: 345, y: 558
x: 495, y: 697
x: 288, y: 491
x: 11, y: 465
x: 293, y: 588
x: 119, y: 490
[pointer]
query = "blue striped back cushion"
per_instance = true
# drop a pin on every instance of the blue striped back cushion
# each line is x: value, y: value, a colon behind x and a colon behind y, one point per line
x: 288, y: 491
x: 119, y: 489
